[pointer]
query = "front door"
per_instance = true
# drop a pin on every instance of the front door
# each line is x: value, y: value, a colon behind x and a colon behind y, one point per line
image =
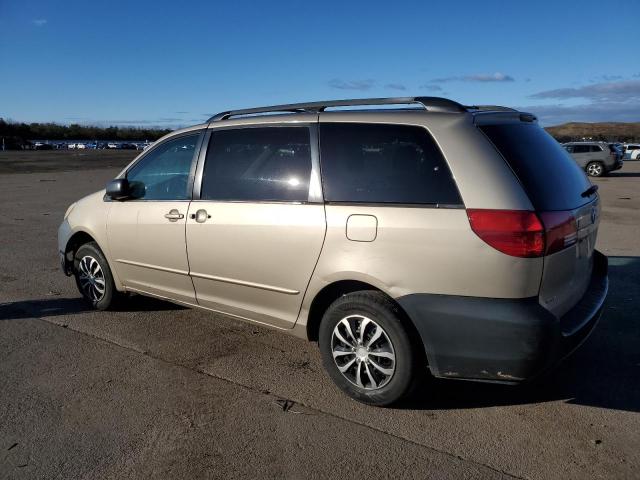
x: 256, y: 232
x: 147, y: 232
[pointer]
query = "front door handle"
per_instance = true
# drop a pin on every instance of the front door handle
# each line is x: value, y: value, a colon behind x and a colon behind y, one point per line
x: 200, y: 216
x: 174, y: 215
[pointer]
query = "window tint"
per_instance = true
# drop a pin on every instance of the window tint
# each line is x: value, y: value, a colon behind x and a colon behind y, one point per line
x: 163, y: 174
x: 581, y: 149
x: 258, y: 164
x: 551, y: 178
x: 384, y: 164
x: 596, y: 148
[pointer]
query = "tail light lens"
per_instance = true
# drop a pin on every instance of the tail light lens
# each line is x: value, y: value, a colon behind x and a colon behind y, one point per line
x: 522, y: 233
x: 561, y: 230
x: 518, y: 233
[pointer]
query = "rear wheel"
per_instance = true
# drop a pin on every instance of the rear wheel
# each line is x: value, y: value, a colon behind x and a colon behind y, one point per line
x: 93, y: 277
x: 595, y: 169
x: 366, y: 349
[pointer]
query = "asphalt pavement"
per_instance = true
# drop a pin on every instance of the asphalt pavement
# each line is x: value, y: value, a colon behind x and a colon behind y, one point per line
x: 159, y: 391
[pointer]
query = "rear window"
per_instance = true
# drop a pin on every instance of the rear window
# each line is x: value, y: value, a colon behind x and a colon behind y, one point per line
x: 376, y: 163
x: 551, y: 178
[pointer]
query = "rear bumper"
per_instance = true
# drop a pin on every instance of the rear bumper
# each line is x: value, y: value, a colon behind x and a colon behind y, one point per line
x: 502, y: 340
x: 616, y: 166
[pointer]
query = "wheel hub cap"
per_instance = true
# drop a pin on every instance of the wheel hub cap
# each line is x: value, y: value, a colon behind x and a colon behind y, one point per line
x: 363, y: 352
x: 91, y: 278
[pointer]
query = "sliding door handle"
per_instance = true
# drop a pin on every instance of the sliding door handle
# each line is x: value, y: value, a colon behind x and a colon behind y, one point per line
x: 174, y: 215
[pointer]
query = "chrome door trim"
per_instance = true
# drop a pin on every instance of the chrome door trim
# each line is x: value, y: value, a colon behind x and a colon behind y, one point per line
x: 152, y: 267
x: 202, y: 155
x: 315, y: 182
x: 243, y: 283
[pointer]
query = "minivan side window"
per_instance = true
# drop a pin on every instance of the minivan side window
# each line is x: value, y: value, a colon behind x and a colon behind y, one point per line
x: 258, y: 164
x: 164, y: 172
x: 377, y: 163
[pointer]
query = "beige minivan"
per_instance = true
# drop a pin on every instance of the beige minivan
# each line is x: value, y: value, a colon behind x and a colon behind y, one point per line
x: 458, y: 239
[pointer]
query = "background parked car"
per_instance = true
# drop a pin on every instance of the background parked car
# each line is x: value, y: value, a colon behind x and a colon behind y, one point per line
x: 632, y: 151
x: 596, y: 158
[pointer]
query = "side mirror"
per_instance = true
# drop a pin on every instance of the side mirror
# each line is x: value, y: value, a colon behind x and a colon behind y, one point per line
x: 118, y: 189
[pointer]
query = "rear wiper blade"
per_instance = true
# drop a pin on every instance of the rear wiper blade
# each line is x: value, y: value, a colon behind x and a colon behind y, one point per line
x: 589, y: 191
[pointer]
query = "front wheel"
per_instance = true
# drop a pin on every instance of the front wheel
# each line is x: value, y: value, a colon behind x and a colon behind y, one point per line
x: 595, y: 169
x: 366, y: 349
x: 93, y: 277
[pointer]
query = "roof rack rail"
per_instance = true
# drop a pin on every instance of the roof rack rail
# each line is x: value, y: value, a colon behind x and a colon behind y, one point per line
x: 434, y: 104
x: 490, y: 108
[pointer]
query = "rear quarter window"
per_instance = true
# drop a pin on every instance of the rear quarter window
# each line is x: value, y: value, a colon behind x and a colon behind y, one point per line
x: 377, y: 163
x: 548, y: 174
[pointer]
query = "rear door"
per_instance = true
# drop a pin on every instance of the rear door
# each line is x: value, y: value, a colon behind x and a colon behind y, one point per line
x: 255, y: 231
x: 582, y: 154
x: 557, y: 189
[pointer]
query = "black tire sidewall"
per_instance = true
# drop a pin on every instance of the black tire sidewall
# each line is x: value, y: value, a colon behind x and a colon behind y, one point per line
x: 94, y: 251
x: 384, y: 313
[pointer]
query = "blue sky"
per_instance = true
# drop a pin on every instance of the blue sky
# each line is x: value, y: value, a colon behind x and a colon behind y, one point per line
x: 170, y: 63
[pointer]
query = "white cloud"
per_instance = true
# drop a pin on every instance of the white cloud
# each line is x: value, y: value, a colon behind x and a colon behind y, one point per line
x: 395, y: 86
x: 593, y: 112
x: 351, y: 84
x: 623, y: 91
x: 39, y: 22
x: 476, y: 77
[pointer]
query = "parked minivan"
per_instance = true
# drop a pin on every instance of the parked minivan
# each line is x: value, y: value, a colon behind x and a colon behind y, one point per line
x: 375, y: 233
x: 597, y: 158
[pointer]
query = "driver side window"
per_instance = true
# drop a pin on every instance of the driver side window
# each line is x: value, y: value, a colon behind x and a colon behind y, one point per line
x: 163, y: 174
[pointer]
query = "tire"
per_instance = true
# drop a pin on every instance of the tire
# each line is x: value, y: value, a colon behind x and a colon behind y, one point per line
x: 595, y: 169
x: 383, y: 379
x: 93, y: 277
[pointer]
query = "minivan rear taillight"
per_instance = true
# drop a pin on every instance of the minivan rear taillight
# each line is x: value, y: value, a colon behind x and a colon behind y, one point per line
x: 561, y: 230
x: 522, y: 233
x: 518, y: 233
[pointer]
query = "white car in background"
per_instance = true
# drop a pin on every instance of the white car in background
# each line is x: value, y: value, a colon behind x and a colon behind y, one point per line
x: 631, y: 151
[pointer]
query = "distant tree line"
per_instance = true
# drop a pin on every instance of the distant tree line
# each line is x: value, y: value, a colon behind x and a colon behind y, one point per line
x: 20, y: 135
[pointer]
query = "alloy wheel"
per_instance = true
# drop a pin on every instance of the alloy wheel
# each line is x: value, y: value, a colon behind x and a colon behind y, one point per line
x: 594, y: 169
x: 91, y: 278
x: 363, y: 352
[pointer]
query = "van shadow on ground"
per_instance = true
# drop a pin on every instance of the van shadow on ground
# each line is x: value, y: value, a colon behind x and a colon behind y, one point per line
x: 54, y: 307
